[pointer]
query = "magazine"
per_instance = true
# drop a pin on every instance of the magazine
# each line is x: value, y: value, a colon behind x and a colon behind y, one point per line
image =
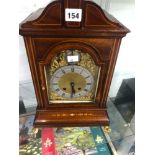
x: 60, y: 141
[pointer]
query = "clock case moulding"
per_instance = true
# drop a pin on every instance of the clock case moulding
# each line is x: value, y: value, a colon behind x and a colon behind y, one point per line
x: 46, y: 33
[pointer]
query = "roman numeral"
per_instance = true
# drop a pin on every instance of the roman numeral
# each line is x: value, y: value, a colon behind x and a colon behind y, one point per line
x: 88, y: 83
x: 57, y: 89
x: 54, y: 83
x: 81, y: 71
x: 63, y: 94
x: 63, y: 71
x: 87, y: 77
x: 72, y: 69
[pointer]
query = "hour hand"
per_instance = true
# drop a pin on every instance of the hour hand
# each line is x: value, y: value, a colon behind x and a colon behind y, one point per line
x: 72, y: 89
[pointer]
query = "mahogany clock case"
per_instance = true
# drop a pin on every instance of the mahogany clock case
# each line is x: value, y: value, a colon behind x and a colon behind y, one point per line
x: 46, y: 34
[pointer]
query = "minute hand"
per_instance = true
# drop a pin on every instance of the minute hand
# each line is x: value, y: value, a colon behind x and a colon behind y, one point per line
x: 72, y: 89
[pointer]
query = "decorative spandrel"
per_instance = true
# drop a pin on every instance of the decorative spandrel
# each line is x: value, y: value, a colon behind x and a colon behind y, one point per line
x: 72, y: 77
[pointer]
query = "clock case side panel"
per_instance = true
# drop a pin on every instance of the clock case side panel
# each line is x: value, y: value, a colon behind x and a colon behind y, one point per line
x: 111, y: 67
x: 34, y: 70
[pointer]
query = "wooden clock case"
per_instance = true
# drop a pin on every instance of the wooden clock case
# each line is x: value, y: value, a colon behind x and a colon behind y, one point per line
x: 46, y: 33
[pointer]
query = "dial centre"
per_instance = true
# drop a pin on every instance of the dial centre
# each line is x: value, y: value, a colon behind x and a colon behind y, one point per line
x: 72, y: 82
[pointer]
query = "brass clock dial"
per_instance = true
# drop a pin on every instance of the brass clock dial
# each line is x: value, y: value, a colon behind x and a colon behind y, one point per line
x: 72, y: 77
x: 72, y: 81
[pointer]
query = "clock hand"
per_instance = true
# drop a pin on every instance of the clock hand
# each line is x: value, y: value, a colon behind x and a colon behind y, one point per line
x: 72, y: 89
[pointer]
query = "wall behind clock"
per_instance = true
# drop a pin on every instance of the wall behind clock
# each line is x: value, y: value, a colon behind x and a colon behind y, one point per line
x: 123, y: 10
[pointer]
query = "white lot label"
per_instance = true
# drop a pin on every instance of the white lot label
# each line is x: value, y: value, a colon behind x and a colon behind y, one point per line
x: 73, y: 15
x: 74, y: 58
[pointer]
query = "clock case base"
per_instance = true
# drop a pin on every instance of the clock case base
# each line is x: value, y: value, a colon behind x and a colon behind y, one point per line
x: 66, y: 118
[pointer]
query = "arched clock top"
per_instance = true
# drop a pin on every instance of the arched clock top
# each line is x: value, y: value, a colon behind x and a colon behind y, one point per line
x: 83, y: 47
x: 93, y: 11
x: 50, y: 16
x: 51, y: 20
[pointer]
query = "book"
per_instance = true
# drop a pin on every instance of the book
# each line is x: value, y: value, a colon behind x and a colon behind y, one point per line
x: 29, y: 137
x: 80, y: 141
x: 61, y: 141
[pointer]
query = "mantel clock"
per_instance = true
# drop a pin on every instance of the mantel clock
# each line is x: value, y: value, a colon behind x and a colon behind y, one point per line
x: 72, y: 47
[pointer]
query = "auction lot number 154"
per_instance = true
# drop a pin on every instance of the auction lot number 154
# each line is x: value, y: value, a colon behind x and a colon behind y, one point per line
x: 73, y: 15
